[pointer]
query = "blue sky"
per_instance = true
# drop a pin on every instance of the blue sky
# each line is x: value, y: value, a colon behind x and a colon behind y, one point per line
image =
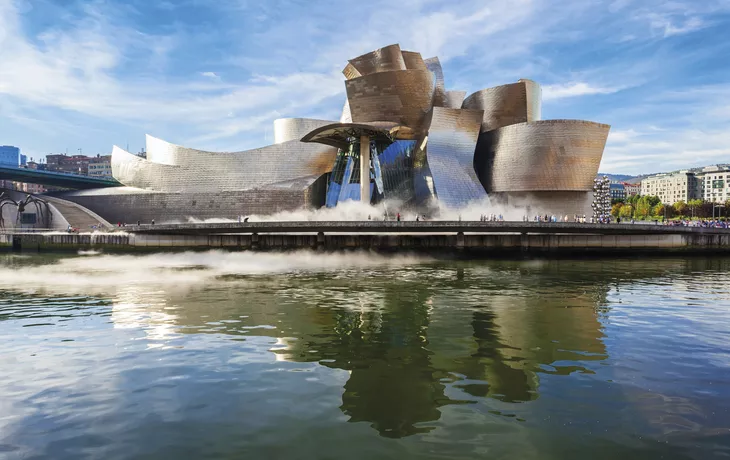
x: 214, y: 74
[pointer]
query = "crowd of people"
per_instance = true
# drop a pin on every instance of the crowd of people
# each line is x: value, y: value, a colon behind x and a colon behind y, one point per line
x: 717, y: 223
x: 576, y: 219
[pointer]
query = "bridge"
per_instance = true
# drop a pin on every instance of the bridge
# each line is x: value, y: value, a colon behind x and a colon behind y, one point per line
x: 412, y: 227
x: 55, y: 179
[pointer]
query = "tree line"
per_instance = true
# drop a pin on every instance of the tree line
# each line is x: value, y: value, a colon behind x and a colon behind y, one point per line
x: 650, y: 207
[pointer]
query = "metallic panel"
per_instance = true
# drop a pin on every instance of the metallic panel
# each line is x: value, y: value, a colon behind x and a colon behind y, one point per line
x: 289, y: 164
x: 162, y: 152
x: 402, y: 97
x: 381, y: 60
x: 346, y: 116
x: 395, y: 170
x: 413, y: 60
x: 454, y: 99
x: 534, y: 100
x: 552, y: 203
x: 507, y: 104
x: 452, y: 139
x: 340, y: 134
x: 552, y: 155
x: 439, y: 88
x: 128, y: 204
x: 350, y: 72
x: 293, y: 129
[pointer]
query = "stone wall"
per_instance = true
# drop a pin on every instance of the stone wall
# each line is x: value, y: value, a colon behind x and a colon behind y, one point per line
x: 483, y: 243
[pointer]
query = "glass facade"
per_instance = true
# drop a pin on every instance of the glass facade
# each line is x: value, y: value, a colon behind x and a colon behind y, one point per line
x: 391, y: 172
x: 9, y: 155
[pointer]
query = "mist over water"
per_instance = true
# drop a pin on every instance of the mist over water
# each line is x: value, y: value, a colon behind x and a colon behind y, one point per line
x: 387, y: 210
x: 96, y: 271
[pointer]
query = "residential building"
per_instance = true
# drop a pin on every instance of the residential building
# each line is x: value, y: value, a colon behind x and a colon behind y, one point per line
x: 716, y: 183
x: 617, y: 190
x: 33, y: 165
x: 29, y: 188
x: 73, y: 164
x: 100, y: 166
x: 672, y: 187
x: 9, y: 155
x: 632, y: 189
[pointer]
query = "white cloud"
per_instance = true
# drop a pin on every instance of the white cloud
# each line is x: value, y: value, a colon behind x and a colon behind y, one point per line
x: 671, y: 27
x: 616, y: 136
x: 211, y: 75
x: 101, y: 66
x: 574, y: 89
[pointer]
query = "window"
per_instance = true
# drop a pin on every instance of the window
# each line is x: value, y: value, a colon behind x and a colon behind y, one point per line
x: 28, y: 218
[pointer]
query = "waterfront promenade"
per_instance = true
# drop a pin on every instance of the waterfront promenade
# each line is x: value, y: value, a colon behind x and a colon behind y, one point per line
x: 477, y: 237
x: 416, y: 227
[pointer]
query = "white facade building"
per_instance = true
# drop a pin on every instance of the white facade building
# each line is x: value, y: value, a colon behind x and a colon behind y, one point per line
x: 672, y: 187
x: 716, y: 183
x: 100, y: 166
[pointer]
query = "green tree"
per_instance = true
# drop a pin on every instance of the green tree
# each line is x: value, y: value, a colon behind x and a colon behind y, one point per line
x: 626, y: 212
x: 658, y: 210
x: 643, y: 207
x: 616, y: 209
x: 633, y: 199
x: 653, y: 200
x: 681, y: 208
x: 695, y: 208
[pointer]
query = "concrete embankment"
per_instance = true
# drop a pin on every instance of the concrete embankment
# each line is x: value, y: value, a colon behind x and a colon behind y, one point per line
x: 478, y: 243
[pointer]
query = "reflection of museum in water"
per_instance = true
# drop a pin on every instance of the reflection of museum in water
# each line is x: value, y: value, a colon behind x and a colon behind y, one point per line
x: 410, y: 347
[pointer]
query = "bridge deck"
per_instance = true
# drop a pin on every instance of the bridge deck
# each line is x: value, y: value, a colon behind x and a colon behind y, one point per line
x: 353, y: 227
x: 55, y: 179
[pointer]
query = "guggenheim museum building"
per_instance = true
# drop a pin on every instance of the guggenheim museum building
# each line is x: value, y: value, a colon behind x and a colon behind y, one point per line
x: 402, y: 137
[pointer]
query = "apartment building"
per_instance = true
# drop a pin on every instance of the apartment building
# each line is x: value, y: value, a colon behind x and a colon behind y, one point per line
x: 672, y: 187
x: 100, y: 166
x: 74, y: 164
x: 632, y: 189
x: 617, y: 191
x: 716, y: 183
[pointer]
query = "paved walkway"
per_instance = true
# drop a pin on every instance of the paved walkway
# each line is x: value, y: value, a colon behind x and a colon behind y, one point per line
x: 353, y: 227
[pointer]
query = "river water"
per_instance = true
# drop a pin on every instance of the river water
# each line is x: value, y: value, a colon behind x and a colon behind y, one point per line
x: 304, y: 355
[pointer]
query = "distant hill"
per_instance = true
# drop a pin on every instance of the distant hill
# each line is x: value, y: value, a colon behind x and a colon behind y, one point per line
x: 638, y: 179
x: 620, y: 177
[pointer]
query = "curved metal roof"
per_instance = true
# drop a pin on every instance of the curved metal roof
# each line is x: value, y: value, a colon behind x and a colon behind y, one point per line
x: 340, y: 134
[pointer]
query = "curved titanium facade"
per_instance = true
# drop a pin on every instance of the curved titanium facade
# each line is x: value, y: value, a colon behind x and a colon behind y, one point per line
x: 350, y: 72
x: 550, y: 155
x: 291, y: 164
x: 452, y: 139
x: 534, y: 99
x: 401, y: 97
x: 293, y: 129
x: 413, y: 60
x: 381, y: 60
x: 424, y: 143
x: 454, y: 99
x: 439, y: 89
x: 507, y: 104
